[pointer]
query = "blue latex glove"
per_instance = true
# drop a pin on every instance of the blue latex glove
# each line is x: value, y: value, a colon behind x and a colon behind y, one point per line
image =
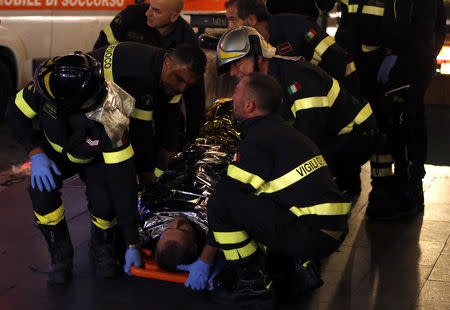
x: 41, y: 172
x: 385, y: 68
x: 132, y: 258
x: 198, y: 274
x: 219, y: 266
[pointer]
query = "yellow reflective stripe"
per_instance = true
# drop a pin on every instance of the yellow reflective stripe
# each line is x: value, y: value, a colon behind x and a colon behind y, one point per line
x: 321, y: 48
x: 338, y: 208
x: 368, y: 48
x: 23, y: 105
x: 360, y: 118
x: 381, y: 172
x: 344, y: 2
x: 118, y: 156
x: 55, y: 146
x: 262, y: 247
x: 293, y: 176
x: 79, y: 160
x: 350, y: 68
x: 244, y: 176
x: 243, y: 252
x: 51, y: 218
x: 47, y: 84
x: 108, y: 63
x: 373, y: 10
x: 143, y: 115
x: 109, y: 35
x: 317, y: 102
x: 226, y: 55
x: 175, y: 99
x: 103, y: 224
x: 353, y: 8
x: 382, y: 159
x: 230, y: 237
x: 158, y: 172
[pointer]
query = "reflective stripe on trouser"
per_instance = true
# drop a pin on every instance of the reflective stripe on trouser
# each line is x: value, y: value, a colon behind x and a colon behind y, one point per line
x: 51, y: 218
x: 381, y: 165
x: 236, y: 245
x: 103, y: 224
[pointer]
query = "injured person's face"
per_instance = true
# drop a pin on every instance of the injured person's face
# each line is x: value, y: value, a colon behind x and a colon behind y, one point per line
x: 178, y: 244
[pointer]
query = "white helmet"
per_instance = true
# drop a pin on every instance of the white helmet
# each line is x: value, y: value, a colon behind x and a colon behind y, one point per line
x: 240, y: 42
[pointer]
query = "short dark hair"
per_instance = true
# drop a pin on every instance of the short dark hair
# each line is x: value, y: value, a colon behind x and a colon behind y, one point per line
x: 191, y: 55
x: 247, y: 7
x: 173, y: 253
x: 266, y: 91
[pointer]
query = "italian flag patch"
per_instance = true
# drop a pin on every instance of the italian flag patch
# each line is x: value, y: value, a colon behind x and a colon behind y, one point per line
x: 294, y: 88
x: 119, y: 143
x: 310, y: 35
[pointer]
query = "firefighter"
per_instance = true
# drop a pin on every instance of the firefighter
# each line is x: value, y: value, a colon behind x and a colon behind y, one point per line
x: 305, y: 7
x: 156, y: 79
x: 412, y: 34
x: 316, y: 103
x: 159, y: 24
x: 64, y: 95
x: 295, y: 35
x: 278, y: 194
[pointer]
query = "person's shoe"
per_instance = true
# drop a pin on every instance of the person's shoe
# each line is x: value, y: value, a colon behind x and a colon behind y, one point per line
x: 306, y: 277
x: 61, y: 252
x: 250, y: 285
x: 103, y: 252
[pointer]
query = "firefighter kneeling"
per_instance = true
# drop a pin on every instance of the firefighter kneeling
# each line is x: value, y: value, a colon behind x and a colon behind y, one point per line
x: 278, y: 195
x: 83, y: 122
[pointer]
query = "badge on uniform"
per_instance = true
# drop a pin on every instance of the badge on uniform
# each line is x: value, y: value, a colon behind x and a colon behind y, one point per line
x: 310, y: 35
x: 236, y: 157
x: 294, y: 88
x: 284, y: 48
x: 92, y: 143
x: 50, y: 109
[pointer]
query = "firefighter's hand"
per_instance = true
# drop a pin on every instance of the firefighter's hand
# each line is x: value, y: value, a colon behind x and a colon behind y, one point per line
x: 41, y: 172
x: 198, y: 274
x: 385, y: 68
x: 132, y: 258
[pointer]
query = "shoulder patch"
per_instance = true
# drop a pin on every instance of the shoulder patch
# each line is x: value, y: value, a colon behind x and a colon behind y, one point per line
x: 284, y: 48
x: 310, y: 34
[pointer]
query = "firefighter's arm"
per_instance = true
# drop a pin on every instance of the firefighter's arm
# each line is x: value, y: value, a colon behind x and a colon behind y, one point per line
x: 21, y: 109
x: 120, y: 177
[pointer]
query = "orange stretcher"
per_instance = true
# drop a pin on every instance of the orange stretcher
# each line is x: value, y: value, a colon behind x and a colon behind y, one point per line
x: 151, y: 270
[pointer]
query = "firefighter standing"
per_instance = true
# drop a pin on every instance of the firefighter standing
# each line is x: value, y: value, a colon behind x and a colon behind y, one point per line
x: 156, y: 79
x: 295, y: 35
x: 316, y: 103
x: 305, y: 7
x: 64, y: 91
x: 279, y: 193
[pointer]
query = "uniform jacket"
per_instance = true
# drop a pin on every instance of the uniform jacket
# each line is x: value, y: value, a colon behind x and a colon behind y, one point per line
x: 80, y: 141
x: 318, y: 105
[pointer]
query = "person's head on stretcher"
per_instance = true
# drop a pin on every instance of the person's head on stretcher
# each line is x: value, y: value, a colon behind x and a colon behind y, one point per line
x: 180, y: 243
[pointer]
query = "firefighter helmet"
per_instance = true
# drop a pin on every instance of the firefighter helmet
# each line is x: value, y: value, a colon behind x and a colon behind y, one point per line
x: 240, y: 42
x: 73, y: 83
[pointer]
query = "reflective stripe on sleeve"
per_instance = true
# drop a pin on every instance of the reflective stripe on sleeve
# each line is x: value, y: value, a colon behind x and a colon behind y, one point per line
x: 241, y: 253
x: 103, y: 224
x: 373, y: 10
x: 108, y: 63
x: 232, y: 237
x: 58, y: 148
x: 317, y: 102
x: 321, y: 48
x: 118, y: 156
x: 51, y: 218
x: 352, y: 8
x: 338, y: 208
x: 368, y: 48
x: 23, y: 105
x: 175, y: 99
x: 350, y: 68
x: 143, y: 115
x: 293, y: 176
x: 243, y: 176
x: 360, y: 118
x: 109, y: 35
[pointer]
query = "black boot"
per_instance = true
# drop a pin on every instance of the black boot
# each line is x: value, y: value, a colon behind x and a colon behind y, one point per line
x: 61, y: 252
x: 306, y: 277
x: 103, y: 252
x: 249, y: 285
